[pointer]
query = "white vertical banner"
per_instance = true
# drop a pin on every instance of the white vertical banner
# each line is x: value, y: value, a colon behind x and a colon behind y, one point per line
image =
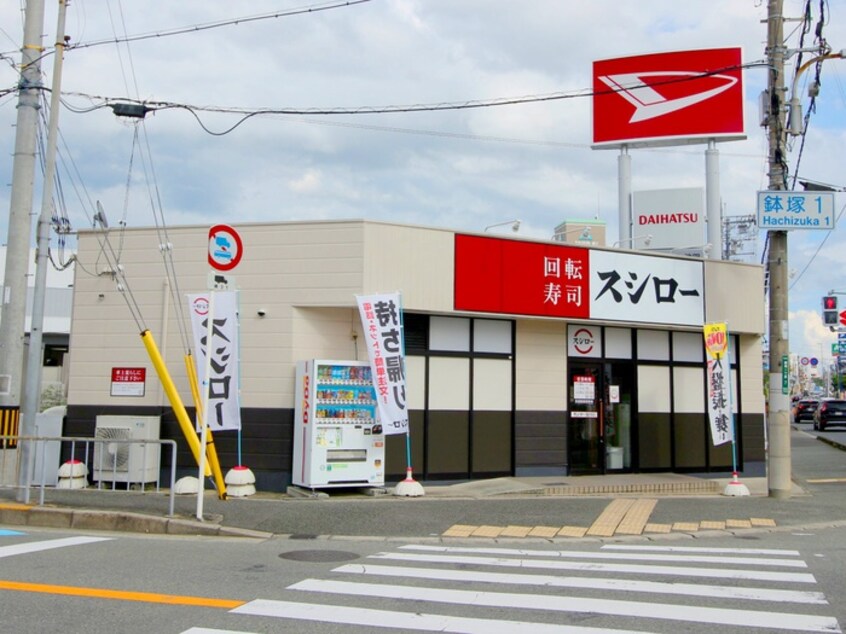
x: 719, y: 384
x: 381, y: 320
x: 223, y: 381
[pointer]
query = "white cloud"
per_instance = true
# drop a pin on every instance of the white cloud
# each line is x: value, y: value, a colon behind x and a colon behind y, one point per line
x: 308, y: 183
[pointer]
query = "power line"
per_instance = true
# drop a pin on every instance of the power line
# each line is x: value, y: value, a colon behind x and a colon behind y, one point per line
x: 196, y: 28
x: 247, y: 113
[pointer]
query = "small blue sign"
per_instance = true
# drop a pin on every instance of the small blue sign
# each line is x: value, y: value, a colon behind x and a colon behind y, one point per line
x: 785, y: 210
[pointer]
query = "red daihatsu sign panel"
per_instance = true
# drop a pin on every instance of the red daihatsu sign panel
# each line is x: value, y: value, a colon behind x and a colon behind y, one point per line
x: 668, y: 98
x: 524, y: 278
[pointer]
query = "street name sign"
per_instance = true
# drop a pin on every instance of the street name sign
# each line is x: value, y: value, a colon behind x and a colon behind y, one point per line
x: 786, y: 210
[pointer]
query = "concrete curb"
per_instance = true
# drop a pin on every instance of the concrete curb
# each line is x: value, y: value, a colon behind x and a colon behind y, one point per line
x: 117, y: 521
x: 832, y: 443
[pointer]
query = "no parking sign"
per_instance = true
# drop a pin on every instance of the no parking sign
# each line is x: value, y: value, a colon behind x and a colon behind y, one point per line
x: 225, y: 248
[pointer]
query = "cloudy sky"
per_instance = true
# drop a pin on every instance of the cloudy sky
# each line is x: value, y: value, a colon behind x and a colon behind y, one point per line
x: 462, y: 169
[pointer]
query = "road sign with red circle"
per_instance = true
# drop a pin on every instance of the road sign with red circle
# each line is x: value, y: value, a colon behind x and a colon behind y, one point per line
x: 225, y: 248
x: 842, y: 316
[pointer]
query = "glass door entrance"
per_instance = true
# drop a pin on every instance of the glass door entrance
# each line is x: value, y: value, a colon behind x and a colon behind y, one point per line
x: 599, y: 407
x: 585, y: 440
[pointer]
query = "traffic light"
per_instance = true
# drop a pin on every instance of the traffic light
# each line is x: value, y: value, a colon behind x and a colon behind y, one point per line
x: 829, y: 308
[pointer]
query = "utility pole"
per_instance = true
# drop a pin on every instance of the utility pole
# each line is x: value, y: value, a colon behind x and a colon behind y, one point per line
x: 13, y: 297
x: 778, y: 420
x: 32, y: 383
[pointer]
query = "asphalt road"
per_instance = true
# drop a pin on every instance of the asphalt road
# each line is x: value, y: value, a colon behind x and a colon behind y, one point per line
x: 63, y: 581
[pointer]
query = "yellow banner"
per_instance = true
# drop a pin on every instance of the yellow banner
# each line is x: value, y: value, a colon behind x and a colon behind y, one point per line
x: 716, y: 340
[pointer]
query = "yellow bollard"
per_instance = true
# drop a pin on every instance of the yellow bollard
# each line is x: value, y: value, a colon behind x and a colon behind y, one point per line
x: 211, y: 452
x: 173, y: 396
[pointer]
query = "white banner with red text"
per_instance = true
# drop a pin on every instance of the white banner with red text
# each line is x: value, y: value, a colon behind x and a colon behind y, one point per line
x: 381, y: 319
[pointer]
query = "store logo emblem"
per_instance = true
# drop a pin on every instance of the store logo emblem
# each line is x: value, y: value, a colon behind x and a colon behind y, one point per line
x: 649, y: 103
x: 201, y: 306
x: 583, y: 341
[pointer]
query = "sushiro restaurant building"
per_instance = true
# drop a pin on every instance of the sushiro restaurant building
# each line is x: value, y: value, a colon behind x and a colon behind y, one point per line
x: 524, y: 357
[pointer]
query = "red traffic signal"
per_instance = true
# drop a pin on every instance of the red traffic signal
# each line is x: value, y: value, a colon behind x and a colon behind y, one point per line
x: 829, y: 312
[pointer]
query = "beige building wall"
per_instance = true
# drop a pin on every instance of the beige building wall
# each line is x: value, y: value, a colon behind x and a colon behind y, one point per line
x: 287, y: 270
x: 751, y: 362
x: 304, y: 276
x: 735, y: 295
x: 415, y: 260
x: 541, y: 369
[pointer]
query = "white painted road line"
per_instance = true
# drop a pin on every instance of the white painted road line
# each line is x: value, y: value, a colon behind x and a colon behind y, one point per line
x: 206, y: 630
x: 640, y: 569
x: 590, y: 583
x: 577, y: 554
x: 34, y: 547
x: 408, y: 620
x: 702, y: 549
x: 688, y: 613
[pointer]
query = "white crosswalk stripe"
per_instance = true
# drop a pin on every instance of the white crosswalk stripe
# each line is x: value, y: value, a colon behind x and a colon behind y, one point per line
x: 38, y: 546
x: 462, y: 589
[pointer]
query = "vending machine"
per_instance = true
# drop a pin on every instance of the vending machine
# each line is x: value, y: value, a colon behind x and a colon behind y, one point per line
x: 338, y: 441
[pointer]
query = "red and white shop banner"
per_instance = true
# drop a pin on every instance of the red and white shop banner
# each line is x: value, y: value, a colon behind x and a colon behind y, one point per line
x: 647, y: 289
x: 381, y: 319
x: 496, y: 275
x: 668, y: 98
x: 522, y: 278
x: 224, y: 390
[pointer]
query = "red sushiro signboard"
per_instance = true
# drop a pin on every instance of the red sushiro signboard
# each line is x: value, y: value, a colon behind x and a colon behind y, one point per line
x: 668, y: 98
x: 524, y: 278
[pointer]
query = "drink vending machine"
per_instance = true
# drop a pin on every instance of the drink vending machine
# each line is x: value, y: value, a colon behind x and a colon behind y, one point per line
x: 338, y: 441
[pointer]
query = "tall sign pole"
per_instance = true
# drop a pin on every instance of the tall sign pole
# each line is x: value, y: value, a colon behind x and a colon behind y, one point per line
x: 778, y: 419
x: 13, y: 297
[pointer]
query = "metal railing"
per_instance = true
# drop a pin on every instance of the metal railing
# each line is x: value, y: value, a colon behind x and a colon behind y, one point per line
x: 102, y: 465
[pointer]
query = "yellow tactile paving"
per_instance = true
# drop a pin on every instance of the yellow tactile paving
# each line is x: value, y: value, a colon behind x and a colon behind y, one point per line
x: 610, y: 518
x: 487, y: 531
x: 686, y: 526
x: 459, y: 530
x: 657, y: 528
x: 636, y: 517
x: 620, y: 517
x: 544, y: 531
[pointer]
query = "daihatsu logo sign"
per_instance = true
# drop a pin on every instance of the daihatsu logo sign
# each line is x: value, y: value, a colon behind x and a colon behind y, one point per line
x: 668, y: 98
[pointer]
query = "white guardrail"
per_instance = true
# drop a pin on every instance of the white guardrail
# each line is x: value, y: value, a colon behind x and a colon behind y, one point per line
x: 84, y: 463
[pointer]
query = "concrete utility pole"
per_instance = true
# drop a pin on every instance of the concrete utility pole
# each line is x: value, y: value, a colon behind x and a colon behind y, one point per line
x: 778, y: 421
x: 32, y: 384
x: 20, y: 211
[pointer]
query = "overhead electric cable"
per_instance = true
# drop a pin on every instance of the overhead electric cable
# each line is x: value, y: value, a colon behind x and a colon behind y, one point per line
x: 100, y: 102
x: 819, y: 247
x: 196, y: 28
x: 146, y: 156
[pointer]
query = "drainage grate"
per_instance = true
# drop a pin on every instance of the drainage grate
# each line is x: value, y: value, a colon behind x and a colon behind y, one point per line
x: 319, y: 556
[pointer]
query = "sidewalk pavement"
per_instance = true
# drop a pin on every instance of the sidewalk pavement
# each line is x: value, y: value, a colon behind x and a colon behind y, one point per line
x: 538, y: 506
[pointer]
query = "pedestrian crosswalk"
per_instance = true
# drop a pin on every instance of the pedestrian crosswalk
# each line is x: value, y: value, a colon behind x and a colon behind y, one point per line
x: 608, y: 588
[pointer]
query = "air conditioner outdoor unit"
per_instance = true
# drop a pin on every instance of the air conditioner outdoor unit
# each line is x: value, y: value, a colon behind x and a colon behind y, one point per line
x: 121, y: 461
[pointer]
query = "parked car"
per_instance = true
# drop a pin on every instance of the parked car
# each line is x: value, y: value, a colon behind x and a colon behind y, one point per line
x: 831, y: 411
x: 803, y: 411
